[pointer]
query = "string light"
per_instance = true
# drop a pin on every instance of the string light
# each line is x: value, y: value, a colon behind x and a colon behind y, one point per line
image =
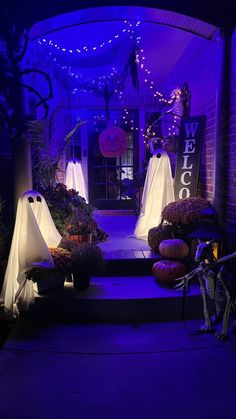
x: 85, y: 49
x: 91, y: 84
x: 131, y: 29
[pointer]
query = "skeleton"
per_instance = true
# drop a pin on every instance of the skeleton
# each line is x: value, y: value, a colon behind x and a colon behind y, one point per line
x: 214, y: 282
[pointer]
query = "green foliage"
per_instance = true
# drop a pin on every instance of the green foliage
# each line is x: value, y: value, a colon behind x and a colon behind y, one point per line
x: 62, y: 261
x: 46, y: 155
x: 70, y: 212
x: 80, y: 223
x: 63, y: 202
x: 86, y: 258
x: 44, y: 166
x: 68, y: 244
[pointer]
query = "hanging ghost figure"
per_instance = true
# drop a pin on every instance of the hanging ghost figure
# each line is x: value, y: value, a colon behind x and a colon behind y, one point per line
x: 157, y: 193
x: 75, y: 178
x: 34, y: 232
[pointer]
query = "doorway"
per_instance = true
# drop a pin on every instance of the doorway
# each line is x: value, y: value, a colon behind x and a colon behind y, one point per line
x: 112, y: 179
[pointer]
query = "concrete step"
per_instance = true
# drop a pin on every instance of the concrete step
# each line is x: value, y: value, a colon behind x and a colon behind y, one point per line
x: 119, y: 299
x: 133, y: 262
x: 129, y: 262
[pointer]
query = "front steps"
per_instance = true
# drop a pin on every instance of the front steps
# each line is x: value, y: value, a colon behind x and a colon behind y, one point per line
x: 125, y: 262
x: 119, y: 299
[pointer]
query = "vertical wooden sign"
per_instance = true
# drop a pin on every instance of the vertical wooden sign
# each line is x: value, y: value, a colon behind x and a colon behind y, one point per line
x: 189, y: 156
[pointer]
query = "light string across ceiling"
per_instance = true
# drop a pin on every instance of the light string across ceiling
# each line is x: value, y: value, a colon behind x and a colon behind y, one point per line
x: 111, y: 79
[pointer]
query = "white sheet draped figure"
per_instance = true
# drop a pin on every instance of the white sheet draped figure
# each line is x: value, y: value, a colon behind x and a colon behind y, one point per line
x: 158, y: 191
x: 34, y: 232
x: 75, y: 178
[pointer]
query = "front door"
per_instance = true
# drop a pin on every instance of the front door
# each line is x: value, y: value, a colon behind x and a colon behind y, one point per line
x: 111, y: 179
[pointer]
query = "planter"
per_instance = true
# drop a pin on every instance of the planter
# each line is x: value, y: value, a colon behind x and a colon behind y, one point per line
x: 81, y: 281
x: 81, y: 238
x: 50, y: 281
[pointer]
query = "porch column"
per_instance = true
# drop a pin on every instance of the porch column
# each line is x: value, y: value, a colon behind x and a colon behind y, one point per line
x: 222, y: 126
x: 22, y: 170
x: 21, y: 166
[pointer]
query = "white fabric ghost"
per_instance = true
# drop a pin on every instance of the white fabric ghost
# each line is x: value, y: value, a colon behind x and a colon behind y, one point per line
x: 34, y: 232
x: 158, y: 191
x: 75, y: 178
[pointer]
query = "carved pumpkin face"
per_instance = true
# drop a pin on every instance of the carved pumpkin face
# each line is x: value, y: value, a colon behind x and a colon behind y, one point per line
x: 113, y: 142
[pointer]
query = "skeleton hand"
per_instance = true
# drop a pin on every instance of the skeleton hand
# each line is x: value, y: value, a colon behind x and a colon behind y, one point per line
x: 182, y: 283
x: 184, y: 280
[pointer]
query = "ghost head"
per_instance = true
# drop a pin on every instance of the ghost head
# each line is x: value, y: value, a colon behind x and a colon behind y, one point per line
x: 34, y: 232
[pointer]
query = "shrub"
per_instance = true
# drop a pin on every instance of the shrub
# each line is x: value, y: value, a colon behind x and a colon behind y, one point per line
x: 159, y: 233
x: 184, y: 211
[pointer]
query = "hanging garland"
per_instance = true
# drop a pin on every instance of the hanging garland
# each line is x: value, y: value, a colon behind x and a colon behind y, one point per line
x: 111, y: 83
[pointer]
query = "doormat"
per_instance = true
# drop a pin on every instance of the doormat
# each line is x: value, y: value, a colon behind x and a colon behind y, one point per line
x: 115, y: 212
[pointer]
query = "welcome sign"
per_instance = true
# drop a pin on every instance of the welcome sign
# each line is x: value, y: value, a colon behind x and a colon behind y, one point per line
x: 189, y: 156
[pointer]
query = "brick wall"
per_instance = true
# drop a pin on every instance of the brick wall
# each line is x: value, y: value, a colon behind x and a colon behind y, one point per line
x: 231, y: 153
x: 198, y: 66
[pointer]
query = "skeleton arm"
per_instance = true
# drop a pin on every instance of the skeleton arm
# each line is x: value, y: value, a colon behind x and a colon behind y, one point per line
x: 184, y: 280
x: 225, y: 258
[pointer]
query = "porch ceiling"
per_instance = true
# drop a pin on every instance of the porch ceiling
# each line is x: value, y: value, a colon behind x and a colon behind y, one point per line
x: 26, y: 13
x: 164, y: 36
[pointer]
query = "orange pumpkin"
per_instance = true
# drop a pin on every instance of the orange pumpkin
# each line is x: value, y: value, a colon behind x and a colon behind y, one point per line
x: 166, y: 271
x: 113, y: 142
x: 174, y: 248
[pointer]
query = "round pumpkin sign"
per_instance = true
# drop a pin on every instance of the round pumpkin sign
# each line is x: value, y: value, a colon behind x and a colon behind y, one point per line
x: 113, y: 142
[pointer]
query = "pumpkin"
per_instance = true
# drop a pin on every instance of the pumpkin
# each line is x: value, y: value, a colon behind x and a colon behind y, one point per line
x: 113, y: 142
x: 166, y: 271
x: 174, y: 248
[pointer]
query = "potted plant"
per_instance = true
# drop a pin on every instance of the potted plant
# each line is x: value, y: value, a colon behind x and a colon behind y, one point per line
x: 65, y: 205
x: 184, y: 211
x: 184, y: 214
x: 49, y: 279
x: 61, y: 203
x: 86, y: 260
x: 80, y: 226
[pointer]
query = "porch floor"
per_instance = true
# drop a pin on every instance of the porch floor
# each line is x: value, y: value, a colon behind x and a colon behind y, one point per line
x: 142, y: 366
x: 123, y: 252
x: 119, y: 225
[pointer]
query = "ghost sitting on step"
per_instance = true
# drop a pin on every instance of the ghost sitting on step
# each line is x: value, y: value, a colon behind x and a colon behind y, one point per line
x: 34, y: 233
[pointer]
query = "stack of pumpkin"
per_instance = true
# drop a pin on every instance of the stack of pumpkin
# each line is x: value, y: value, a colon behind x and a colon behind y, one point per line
x: 178, y: 220
x: 172, y: 267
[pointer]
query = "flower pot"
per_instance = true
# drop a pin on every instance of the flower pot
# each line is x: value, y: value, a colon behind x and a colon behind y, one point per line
x: 81, y: 281
x: 50, y: 281
x: 81, y: 238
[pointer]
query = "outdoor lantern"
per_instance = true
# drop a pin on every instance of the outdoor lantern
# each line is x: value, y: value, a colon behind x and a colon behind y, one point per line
x: 209, y: 228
